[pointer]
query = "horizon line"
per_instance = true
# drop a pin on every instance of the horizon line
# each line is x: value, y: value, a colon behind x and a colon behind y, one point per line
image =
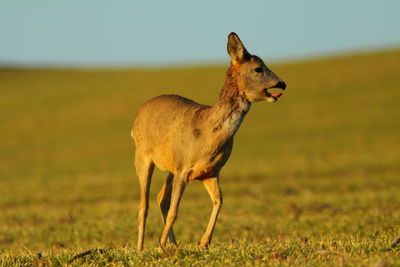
x: 188, y: 63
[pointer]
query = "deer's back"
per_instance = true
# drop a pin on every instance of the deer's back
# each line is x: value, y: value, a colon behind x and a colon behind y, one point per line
x: 164, y: 117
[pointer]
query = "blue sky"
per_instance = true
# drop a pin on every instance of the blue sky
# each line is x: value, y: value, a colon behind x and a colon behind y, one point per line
x: 135, y: 33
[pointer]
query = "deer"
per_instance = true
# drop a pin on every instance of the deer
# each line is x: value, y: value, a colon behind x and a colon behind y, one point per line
x: 193, y: 141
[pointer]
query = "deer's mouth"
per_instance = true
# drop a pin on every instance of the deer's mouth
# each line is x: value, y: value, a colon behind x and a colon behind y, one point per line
x: 273, y: 96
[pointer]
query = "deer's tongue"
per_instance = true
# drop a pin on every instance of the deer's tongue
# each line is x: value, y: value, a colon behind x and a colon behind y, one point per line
x: 276, y: 95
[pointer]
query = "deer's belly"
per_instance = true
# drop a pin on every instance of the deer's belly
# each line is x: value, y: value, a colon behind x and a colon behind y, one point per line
x: 196, y: 163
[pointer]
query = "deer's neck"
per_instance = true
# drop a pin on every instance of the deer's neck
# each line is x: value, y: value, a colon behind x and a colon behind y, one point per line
x: 230, y: 108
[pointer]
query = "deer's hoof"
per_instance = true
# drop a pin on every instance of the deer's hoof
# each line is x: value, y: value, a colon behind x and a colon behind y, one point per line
x: 203, y: 245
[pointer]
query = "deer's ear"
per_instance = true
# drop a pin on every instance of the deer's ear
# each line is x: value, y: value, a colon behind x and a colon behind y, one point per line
x: 236, y: 49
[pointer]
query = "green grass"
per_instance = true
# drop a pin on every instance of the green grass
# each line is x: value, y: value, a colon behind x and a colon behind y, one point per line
x: 313, y: 179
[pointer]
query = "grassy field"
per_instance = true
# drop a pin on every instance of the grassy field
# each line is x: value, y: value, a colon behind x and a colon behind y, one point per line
x: 313, y: 179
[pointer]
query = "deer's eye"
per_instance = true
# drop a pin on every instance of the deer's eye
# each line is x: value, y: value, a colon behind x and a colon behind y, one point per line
x: 258, y: 70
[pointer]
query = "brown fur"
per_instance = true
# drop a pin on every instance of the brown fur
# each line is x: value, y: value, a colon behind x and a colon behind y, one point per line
x: 193, y: 141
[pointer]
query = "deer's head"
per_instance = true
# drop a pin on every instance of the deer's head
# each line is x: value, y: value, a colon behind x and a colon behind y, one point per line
x: 254, y: 78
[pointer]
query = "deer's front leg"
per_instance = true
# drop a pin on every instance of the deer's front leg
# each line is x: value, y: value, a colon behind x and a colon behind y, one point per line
x: 212, y: 187
x: 164, y: 200
x: 178, y: 186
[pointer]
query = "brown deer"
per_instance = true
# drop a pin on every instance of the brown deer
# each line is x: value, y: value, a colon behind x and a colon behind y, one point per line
x: 193, y: 141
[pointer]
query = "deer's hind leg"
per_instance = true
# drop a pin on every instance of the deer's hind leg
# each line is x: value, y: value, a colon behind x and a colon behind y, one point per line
x: 144, y: 170
x: 164, y: 201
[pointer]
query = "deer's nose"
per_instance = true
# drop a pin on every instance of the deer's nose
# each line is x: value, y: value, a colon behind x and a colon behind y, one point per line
x: 281, y: 85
